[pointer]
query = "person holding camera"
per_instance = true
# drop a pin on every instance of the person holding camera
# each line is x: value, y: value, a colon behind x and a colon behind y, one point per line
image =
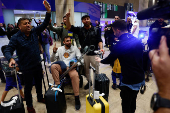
x: 129, y: 51
x: 160, y: 59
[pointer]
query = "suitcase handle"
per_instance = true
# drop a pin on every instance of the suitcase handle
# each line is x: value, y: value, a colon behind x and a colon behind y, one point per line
x: 14, y: 66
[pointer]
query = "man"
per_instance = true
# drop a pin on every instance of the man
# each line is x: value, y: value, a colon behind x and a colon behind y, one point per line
x: 98, y: 26
x: 54, y: 33
x: 62, y: 31
x: 66, y: 54
x: 88, y: 35
x: 106, y: 33
x: 25, y: 42
x: 129, y: 51
x: 129, y: 24
x: 117, y: 18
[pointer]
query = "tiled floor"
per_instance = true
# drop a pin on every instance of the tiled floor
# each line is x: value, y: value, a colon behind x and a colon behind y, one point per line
x: 143, y: 101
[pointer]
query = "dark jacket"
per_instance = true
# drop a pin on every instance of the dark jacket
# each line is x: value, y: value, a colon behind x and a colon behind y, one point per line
x: 87, y: 37
x: 129, y: 51
x: 2, y: 32
x: 26, y: 48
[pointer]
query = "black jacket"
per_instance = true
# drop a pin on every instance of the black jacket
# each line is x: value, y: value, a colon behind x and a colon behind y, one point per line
x: 87, y: 37
x: 2, y: 32
x: 129, y: 51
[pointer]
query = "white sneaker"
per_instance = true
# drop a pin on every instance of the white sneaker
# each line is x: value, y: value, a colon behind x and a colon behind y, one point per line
x: 46, y: 63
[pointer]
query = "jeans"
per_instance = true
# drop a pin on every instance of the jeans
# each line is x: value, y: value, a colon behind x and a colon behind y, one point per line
x: 55, y: 36
x: 128, y: 97
x: 37, y: 74
x: 114, y: 77
x: 46, y: 54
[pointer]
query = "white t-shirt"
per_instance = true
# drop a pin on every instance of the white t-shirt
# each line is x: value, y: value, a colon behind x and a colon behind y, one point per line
x: 135, y: 34
x: 67, y: 55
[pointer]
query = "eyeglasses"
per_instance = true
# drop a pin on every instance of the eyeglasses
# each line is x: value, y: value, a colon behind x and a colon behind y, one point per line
x: 116, y: 18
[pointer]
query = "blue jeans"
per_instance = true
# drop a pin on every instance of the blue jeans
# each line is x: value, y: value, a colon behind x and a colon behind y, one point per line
x: 114, y: 77
x: 46, y: 54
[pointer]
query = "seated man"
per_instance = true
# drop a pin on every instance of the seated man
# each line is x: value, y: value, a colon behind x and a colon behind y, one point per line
x: 66, y: 53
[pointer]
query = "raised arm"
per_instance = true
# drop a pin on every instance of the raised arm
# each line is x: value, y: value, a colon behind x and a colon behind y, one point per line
x: 68, y: 24
x: 41, y: 27
x: 58, y: 30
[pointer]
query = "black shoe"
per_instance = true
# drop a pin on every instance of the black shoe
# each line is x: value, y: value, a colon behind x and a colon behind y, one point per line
x: 87, y: 85
x: 114, y: 86
x: 3, y: 81
x: 77, y: 105
x: 147, y: 79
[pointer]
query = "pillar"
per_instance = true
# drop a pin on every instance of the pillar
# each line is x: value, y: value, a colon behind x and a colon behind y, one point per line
x: 62, y: 7
x: 8, y: 16
x: 143, y: 4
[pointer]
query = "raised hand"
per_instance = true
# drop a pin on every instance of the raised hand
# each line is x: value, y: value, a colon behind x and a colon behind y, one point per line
x: 47, y: 5
x: 68, y: 14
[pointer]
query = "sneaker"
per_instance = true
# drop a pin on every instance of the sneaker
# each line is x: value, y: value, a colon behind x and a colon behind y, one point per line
x: 114, y: 86
x: 77, y: 105
x: 87, y: 85
x: 46, y: 63
x: 31, y: 110
x: 41, y: 101
x: 3, y: 81
x: 147, y: 79
x: 49, y: 64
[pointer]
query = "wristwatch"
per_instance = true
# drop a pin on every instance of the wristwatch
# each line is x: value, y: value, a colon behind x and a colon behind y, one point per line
x: 157, y: 102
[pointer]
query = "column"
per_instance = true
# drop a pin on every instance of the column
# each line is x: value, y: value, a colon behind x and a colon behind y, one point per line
x: 8, y: 16
x: 62, y: 7
x: 143, y: 4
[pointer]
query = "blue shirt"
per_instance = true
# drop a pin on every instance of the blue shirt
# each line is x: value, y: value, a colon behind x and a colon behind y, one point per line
x: 134, y: 86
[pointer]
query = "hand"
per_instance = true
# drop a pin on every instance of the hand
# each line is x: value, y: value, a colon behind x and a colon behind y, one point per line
x: 11, y: 63
x: 98, y: 59
x: 50, y: 21
x: 47, y: 5
x: 68, y: 14
x: 160, y: 64
x: 55, y: 48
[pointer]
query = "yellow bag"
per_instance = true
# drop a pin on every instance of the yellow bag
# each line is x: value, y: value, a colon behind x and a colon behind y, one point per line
x: 117, y: 67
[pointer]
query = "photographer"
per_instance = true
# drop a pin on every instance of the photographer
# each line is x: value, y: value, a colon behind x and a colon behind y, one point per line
x: 160, y: 65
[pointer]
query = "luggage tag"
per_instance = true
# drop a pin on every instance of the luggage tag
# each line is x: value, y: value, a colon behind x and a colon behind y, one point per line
x: 97, y: 94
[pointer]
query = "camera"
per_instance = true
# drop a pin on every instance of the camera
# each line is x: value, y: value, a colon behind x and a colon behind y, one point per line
x: 160, y: 10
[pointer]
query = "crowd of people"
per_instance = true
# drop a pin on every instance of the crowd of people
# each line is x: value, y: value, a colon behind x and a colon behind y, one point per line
x: 121, y: 37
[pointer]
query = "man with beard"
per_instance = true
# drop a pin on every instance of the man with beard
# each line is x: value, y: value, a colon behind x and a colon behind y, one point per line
x: 63, y: 32
x: 25, y: 42
x: 129, y: 24
x: 65, y: 55
x: 129, y: 51
x: 88, y: 35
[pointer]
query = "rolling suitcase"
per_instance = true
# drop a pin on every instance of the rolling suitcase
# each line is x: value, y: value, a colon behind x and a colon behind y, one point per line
x: 15, y: 104
x: 54, y: 97
x: 55, y: 100
x: 102, y: 84
x: 98, y: 105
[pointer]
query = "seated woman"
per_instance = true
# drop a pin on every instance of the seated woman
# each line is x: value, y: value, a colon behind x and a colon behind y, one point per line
x: 64, y: 55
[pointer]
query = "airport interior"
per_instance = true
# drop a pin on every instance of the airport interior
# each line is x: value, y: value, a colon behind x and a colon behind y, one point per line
x: 84, y: 56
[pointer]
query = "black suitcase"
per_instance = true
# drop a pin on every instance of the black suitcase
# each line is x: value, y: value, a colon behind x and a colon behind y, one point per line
x: 55, y: 100
x: 102, y: 85
x: 15, y: 104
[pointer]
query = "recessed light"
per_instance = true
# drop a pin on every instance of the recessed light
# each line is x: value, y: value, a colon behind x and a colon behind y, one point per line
x: 22, y: 11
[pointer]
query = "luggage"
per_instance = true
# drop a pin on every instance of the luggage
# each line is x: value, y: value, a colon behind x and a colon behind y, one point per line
x: 54, y: 97
x: 15, y: 104
x: 95, y: 104
x: 55, y: 100
x: 102, y: 84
